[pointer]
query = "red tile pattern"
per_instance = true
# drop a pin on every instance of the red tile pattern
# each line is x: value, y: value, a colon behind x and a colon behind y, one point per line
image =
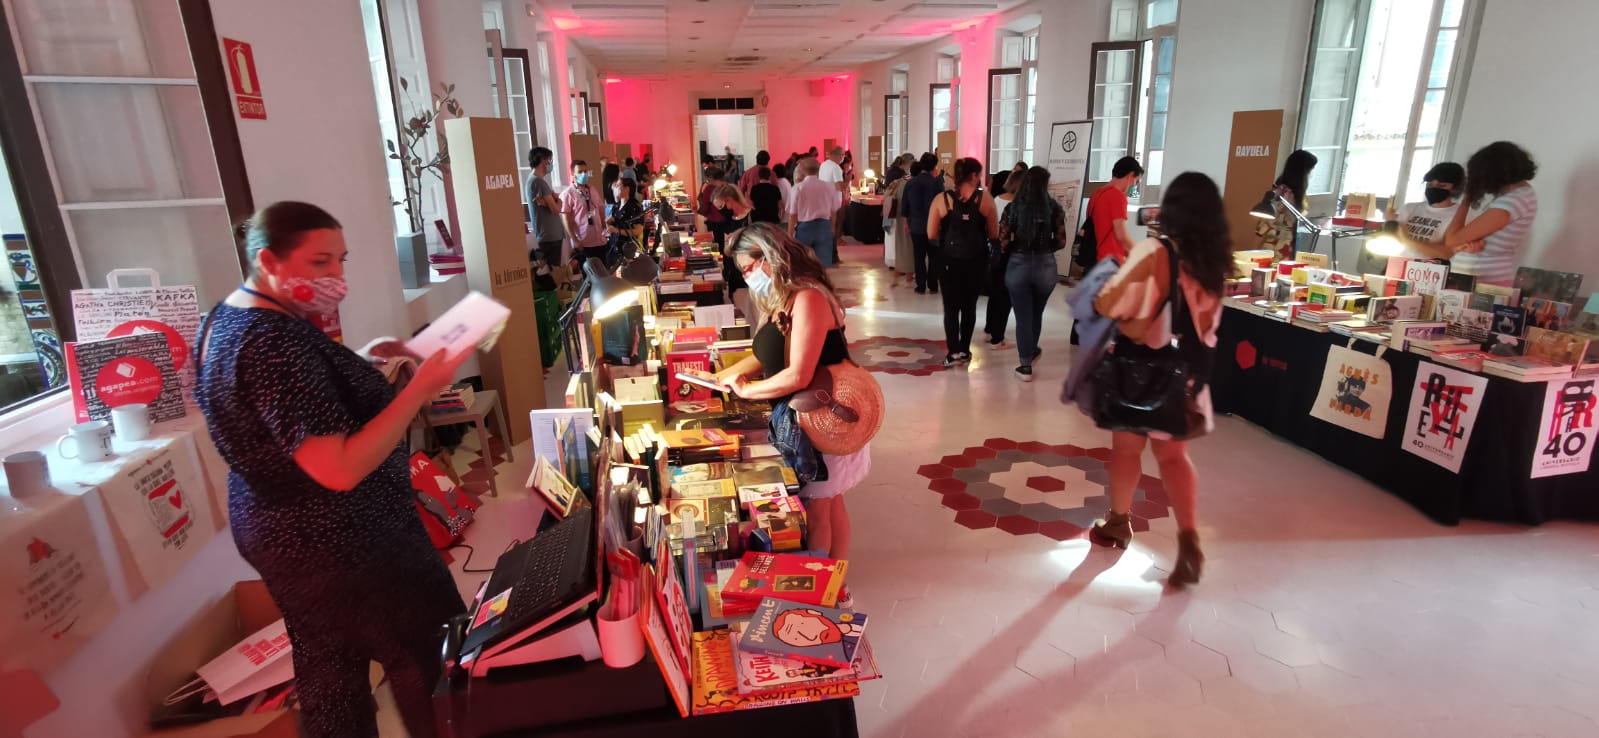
x: 997, y: 456
x: 917, y: 357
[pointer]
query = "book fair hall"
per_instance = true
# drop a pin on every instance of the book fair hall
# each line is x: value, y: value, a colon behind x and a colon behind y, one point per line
x: 798, y: 369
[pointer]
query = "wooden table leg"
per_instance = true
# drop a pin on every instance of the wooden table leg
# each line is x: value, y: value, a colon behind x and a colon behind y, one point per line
x: 505, y: 435
x: 482, y: 425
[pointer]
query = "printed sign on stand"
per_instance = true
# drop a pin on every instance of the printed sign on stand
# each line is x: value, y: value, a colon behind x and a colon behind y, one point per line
x: 57, y: 592
x: 1443, y: 410
x: 1067, y: 163
x: 1565, y: 442
x: 159, y: 507
x: 128, y: 370
x: 171, y: 311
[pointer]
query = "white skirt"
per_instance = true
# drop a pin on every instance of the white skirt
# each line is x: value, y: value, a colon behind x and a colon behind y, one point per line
x: 843, y: 474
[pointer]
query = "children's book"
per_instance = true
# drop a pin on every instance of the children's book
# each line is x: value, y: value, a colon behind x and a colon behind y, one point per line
x: 814, y: 635
x: 802, y: 579
x: 704, y: 489
x: 775, y: 506
x: 760, y: 492
x: 760, y: 673
x: 765, y: 471
x: 716, y: 681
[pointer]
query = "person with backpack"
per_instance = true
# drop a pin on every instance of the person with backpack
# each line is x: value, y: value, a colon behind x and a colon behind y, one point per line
x: 961, y: 223
x: 1031, y: 230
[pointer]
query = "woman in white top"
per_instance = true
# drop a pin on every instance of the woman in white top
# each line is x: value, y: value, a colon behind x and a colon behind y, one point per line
x: 1486, y: 247
x: 1136, y: 298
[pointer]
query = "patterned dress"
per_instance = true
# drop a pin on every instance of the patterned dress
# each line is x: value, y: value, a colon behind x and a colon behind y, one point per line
x: 353, y: 572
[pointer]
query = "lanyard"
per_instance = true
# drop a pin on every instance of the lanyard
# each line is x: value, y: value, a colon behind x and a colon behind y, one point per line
x: 268, y: 298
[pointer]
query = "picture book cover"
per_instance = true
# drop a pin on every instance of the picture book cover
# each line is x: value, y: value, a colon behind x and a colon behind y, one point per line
x: 686, y: 362
x: 1510, y: 320
x: 1390, y: 309
x: 1500, y: 294
x: 759, y: 673
x: 1548, y: 314
x: 696, y: 438
x: 700, y: 473
x: 1504, y: 344
x: 715, y: 686
x: 1561, y: 348
x: 1426, y: 277
x: 760, y: 492
x: 1421, y: 330
x: 659, y: 638
x: 814, y: 635
x: 553, y: 486
x: 775, y: 506
x: 1548, y: 284
x: 1322, y: 294
x: 764, y: 471
x: 802, y: 579
x: 1469, y: 360
x: 1450, y: 303
x: 1460, y: 282
x: 1472, y: 325
x: 704, y: 489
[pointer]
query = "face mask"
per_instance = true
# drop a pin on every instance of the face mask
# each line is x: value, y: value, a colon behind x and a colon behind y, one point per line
x: 760, y: 283
x: 583, y: 178
x: 1437, y: 195
x: 320, y: 296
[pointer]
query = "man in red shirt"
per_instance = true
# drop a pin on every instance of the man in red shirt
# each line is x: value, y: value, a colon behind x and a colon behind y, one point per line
x: 1108, y: 209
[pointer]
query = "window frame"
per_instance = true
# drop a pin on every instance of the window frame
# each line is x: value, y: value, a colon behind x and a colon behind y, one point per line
x: 932, y: 109
x: 895, y: 144
x: 1139, y: 49
x: 988, y: 144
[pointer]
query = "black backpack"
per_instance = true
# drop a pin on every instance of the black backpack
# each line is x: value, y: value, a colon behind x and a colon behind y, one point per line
x: 964, y: 232
x: 1087, y: 254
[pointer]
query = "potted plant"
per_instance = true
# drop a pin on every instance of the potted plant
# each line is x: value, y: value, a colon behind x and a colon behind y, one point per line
x: 412, y: 153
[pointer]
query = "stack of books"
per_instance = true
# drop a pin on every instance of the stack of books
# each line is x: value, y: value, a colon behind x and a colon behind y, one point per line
x: 1320, y: 319
x: 1525, y: 368
x: 803, y: 579
x: 701, y: 446
x: 456, y: 398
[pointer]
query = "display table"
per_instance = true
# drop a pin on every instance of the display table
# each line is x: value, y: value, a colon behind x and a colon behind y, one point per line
x: 1269, y: 372
x: 863, y: 219
x: 593, y: 700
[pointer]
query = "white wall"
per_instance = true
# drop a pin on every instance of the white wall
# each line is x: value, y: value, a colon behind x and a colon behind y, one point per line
x: 1527, y: 86
x: 1231, y: 57
x: 321, y: 142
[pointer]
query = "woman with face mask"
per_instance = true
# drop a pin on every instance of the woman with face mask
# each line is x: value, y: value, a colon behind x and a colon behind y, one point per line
x: 806, y: 332
x: 319, y: 489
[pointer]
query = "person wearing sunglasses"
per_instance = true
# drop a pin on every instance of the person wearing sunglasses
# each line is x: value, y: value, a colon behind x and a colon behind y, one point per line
x: 805, y: 332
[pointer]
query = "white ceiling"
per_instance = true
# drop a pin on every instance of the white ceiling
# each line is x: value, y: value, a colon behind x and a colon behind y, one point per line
x: 754, y: 38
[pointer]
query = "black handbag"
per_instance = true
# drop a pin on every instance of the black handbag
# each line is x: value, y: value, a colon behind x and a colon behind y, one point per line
x: 1138, y: 389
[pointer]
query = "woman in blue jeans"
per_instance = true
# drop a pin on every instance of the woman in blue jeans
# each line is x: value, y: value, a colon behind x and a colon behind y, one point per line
x: 1031, y: 230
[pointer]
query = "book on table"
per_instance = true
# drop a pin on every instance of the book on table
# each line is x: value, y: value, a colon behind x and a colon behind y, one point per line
x: 715, y: 687
x: 809, y: 633
x: 762, y: 674
x: 1525, y: 368
x: 803, y: 579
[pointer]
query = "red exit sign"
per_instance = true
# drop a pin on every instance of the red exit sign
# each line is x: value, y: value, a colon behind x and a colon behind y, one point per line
x: 246, y: 85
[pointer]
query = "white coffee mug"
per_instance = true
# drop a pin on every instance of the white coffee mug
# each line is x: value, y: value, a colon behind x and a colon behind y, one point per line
x: 132, y: 422
x: 27, y: 473
x: 91, y: 441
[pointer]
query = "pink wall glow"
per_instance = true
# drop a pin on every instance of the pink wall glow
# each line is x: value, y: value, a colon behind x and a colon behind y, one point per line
x: 796, y: 121
x: 977, y: 54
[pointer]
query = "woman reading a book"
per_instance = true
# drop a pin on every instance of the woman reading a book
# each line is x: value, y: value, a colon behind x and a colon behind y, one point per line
x: 1136, y: 298
x: 1499, y: 176
x: 319, y: 489
x: 806, y: 332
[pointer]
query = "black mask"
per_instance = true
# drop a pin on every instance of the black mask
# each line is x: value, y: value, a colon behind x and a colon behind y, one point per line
x: 1437, y: 195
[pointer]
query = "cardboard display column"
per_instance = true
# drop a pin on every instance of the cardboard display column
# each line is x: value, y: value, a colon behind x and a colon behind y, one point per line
x: 623, y: 152
x: 947, y: 143
x: 484, y: 164
x: 827, y: 146
x: 874, y: 154
x: 585, y: 147
x: 1251, y: 169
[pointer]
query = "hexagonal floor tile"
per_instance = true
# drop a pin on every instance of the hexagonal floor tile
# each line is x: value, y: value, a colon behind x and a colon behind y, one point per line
x: 981, y: 452
x: 1033, y: 447
x: 975, y: 519
x: 1042, y: 512
x: 1014, y: 455
x: 1046, y: 484
x: 992, y: 466
x: 944, y: 486
x: 1051, y: 460
x: 974, y: 474
x: 1060, y: 530
x: 985, y: 491
x: 957, y: 461
x: 1149, y: 509
x: 1001, y: 507
x: 1017, y: 525
x: 934, y: 471
x: 961, y: 501
x: 1000, y: 444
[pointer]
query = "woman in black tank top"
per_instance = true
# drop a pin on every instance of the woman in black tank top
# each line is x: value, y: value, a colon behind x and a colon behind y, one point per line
x: 806, y: 331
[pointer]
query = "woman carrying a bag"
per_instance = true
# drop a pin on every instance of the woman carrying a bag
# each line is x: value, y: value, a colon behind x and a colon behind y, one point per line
x: 1152, y: 386
x: 805, y: 333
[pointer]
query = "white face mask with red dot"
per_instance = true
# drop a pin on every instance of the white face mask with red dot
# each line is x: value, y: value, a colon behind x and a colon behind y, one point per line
x: 320, y: 296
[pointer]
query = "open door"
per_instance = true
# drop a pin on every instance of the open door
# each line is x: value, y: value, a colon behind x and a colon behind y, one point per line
x: 1120, y: 82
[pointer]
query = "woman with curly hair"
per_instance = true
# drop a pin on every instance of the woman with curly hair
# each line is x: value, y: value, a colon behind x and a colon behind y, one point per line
x: 1500, y: 175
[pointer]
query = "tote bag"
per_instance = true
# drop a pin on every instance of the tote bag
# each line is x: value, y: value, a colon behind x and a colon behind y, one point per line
x: 1355, y: 390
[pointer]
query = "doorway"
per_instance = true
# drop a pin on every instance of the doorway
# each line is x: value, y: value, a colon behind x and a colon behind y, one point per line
x: 723, y: 135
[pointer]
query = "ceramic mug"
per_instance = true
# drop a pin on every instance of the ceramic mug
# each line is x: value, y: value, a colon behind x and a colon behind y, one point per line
x: 91, y: 441
x: 27, y: 473
x: 132, y: 422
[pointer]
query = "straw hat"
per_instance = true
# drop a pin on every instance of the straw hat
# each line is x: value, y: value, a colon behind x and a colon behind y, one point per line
x: 841, y: 410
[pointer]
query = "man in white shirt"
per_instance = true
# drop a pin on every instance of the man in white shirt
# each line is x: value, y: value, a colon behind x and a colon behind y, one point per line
x: 1422, y: 224
x: 832, y: 172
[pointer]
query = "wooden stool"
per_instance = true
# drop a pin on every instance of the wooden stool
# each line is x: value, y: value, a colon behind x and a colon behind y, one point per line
x: 483, y: 403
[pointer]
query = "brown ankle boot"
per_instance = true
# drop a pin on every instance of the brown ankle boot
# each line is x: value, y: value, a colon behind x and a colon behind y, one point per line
x: 1190, y: 560
x: 1115, y: 531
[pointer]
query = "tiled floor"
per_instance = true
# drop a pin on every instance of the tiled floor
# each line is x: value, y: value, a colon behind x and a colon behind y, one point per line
x: 1328, y: 608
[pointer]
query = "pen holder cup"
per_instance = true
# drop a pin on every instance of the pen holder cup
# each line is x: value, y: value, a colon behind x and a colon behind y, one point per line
x: 621, y: 641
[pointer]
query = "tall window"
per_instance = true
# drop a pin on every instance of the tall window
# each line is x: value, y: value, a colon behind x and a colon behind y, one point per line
x: 1013, y: 101
x: 580, y: 112
x: 377, y: 51
x: 1160, y: 27
x: 1378, y: 98
x: 110, y: 163
x: 1117, y: 84
x: 941, y: 99
x: 896, y: 120
x: 550, y: 113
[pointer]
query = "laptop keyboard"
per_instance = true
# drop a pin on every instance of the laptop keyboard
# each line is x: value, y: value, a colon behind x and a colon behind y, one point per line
x: 546, y: 568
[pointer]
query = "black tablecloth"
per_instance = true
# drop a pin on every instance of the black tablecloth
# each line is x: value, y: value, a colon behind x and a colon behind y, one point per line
x: 1274, y: 379
x: 863, y: 222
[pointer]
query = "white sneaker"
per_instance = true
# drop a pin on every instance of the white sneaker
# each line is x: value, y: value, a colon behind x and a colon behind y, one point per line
x: 1024, y: 373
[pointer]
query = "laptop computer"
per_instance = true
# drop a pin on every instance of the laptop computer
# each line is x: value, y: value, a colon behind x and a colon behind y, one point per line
x: 536, y: 583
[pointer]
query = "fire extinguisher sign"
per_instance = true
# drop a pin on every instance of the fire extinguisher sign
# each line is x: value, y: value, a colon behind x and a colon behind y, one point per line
x: 246, y: 85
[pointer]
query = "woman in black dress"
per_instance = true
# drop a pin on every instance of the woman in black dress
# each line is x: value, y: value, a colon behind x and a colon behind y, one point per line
x: 319, y: 491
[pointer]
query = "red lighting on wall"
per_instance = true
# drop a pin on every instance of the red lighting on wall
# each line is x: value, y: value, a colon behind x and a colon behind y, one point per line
x: 612, y: 80
x: 567, y: 24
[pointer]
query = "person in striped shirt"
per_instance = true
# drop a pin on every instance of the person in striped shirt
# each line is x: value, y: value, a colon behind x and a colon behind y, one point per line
x: 1499, y: 174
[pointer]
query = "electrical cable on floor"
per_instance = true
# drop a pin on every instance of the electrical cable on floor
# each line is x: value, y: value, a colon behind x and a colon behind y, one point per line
x: 466, y: 566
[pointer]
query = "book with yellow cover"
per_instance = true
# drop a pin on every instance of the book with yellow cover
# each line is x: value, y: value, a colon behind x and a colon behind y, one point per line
x: 716, y: 681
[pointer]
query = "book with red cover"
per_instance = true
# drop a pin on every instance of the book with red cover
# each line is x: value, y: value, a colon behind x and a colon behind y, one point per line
x: 716, y: 681
x: 802, y: 579
x: 686, y: 362
x: 815, y: 635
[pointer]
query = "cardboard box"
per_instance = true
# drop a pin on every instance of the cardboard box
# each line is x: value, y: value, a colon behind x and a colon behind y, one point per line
x: 245, y: 609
